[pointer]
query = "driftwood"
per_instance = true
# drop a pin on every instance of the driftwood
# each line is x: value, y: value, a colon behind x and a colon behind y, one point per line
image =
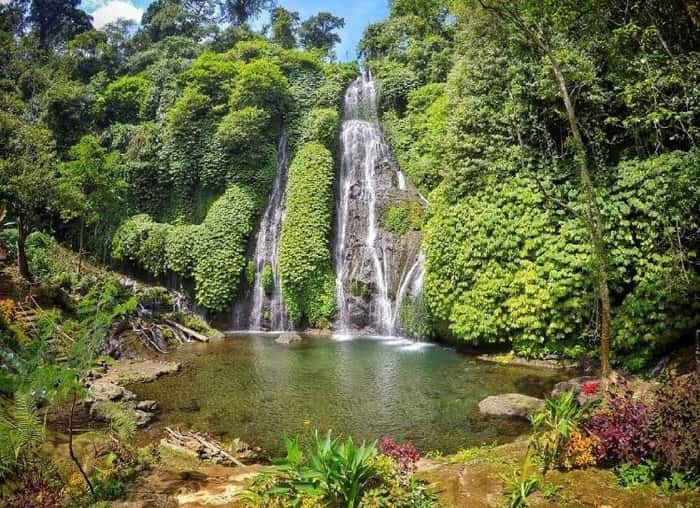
x: 187, y: 331
x: 198, y: 447
x: 150, y: 335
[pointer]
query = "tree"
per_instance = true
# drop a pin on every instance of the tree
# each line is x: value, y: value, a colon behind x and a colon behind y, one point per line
x: 537, y: 39
x: 95, y: 173
x: 165, y: 18
x: 29, y: 186
x: 239, y: 12
x: 283, y: 27
x: 57, y: 21
x: 318, y: 32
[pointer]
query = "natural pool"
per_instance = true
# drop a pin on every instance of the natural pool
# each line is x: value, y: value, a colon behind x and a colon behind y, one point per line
x: 250, y: 387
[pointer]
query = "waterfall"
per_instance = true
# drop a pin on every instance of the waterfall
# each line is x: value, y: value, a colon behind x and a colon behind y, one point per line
x: 375, y: 270
x: 267, y: 310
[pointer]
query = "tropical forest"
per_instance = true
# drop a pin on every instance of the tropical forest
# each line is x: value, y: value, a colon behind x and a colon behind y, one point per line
x: 368, y: 254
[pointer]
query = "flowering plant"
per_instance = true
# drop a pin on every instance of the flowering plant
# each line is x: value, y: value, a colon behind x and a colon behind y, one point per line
x: 405, y: 454
x: 589, y: 388
x: 580, y: 451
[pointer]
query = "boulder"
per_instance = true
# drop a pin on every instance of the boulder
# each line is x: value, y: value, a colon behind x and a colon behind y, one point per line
x: 142, y: 418
x: 288, y: 338
x: 147, y: 405
x: 104, y: 390
x: 510, y: 404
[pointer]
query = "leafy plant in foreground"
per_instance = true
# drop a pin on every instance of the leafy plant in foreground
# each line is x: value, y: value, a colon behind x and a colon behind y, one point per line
x: 553, y: 427
x: 337, y: 473
x: 405, y: 454
x: 520, y: 483
x: 619, y: 426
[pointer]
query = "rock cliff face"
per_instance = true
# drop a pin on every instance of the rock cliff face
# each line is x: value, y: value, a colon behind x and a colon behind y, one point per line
x: 378, y: 267
x: 260, y: 309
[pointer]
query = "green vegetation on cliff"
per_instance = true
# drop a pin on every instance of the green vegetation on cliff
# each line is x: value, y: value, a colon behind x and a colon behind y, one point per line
x: 308, y: 281
x: 556, y: 145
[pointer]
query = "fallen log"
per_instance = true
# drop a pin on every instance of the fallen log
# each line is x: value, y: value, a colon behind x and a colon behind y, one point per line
x: 187, y: 331
x: 198, y: 447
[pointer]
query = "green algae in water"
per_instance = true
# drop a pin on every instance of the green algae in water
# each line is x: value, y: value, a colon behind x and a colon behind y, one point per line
x: 248, y: 386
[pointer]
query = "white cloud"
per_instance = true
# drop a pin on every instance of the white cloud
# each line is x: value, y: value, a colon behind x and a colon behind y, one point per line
x: 114, y: 10
x: 92, y: 5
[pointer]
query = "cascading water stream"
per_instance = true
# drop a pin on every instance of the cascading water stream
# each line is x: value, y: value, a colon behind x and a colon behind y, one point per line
x: 372, y: 279
x: 267, y: 310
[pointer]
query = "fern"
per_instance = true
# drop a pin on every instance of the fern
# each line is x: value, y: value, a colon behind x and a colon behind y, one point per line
x: 122, y: 424
x: 20, y: 435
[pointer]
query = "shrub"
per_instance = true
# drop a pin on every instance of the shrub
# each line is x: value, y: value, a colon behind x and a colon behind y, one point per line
x: 620, y: 424
x: 267, y: 279
x: 395, y: 81
x: 321, y: 125
x: 213, y: 253
x: 8, y: 240
x: 632, y: 475
x: 305, y: 261
x: 338, y: 474
x: 519, y: 484
x: 580, y: 451
x: 242, y: 128
x: 500, y: 267
x: 553, y: 428
x: 128, y: 99
x: 406, y: 455
x: 673, y: 425
x: 41, y: 264
x: 395, y: 220
x: 260, y: 84
x: 213, y: 74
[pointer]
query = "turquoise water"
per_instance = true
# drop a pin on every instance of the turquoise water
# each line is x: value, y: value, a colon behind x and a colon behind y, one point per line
x: 248, y: 386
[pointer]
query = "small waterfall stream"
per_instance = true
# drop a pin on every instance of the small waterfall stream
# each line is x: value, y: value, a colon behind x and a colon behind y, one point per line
x: 375, y: 270
x: 267, y: 311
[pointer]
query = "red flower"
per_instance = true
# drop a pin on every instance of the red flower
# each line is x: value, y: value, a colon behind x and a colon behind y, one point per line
x: 589, y: 388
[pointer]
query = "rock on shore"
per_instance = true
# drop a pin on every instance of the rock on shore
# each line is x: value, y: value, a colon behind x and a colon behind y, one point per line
x: 510, y: 404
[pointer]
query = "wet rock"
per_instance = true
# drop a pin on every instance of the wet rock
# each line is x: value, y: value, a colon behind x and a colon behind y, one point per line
x: 106, y: 390
x: 147, y: 405
x: 288, y: 338
x: 142, y: 418
x: 510, y: 404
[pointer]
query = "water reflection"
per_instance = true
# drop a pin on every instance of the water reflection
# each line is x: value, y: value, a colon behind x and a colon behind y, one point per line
x: 250, y: 387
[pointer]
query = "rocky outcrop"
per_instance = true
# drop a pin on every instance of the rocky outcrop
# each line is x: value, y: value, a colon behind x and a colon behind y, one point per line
x: 376, y: 251
x: 288, y: 338
x: 510, y: 404
x: 105, y: 384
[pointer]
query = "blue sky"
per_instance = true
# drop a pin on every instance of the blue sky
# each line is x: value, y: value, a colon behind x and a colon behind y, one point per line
x: 357, y: 13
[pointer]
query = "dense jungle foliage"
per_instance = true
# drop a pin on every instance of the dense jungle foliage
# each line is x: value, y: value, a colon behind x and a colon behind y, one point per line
x: 158, y: 146
x: 520, y: 247
x: 555, y: 143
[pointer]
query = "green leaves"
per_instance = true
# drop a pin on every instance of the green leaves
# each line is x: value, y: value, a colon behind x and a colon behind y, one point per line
x: 500, y: 269
x: 129, y: 99
x: 212, y: 253
x: 308, y: 284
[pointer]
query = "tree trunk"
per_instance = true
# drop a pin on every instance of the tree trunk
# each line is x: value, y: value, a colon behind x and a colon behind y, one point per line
x: 70, y: 447
x: 594, y: 222
x: 22, y: 262
x: 80, y: 251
